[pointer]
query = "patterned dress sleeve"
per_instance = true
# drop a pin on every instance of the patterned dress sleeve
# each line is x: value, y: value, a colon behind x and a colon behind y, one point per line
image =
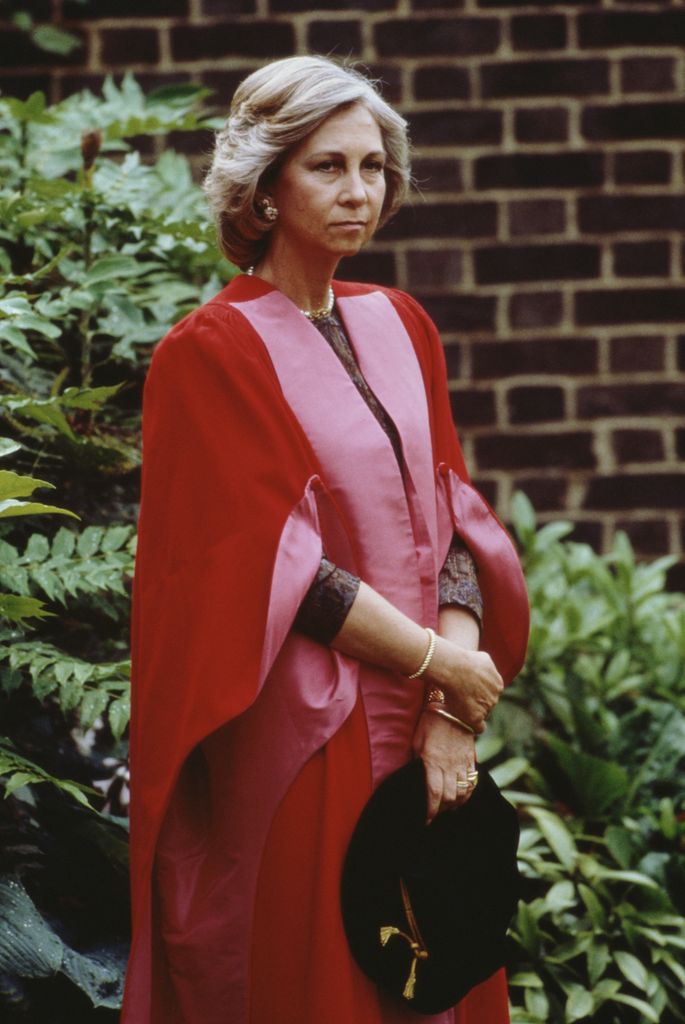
x: 325, y: 606
x: 458, y: 580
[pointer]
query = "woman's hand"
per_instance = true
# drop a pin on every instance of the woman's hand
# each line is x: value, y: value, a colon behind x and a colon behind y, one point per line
x: 449, y: 755
x: 469, y: 679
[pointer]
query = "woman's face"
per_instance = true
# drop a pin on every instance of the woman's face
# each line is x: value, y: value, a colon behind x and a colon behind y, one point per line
x: 330, y: 190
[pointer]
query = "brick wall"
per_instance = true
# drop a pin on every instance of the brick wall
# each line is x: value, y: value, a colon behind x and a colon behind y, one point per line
x: 547, y: 238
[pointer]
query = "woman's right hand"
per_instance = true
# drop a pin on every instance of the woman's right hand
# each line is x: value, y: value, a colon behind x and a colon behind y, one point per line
x: 470, y: 680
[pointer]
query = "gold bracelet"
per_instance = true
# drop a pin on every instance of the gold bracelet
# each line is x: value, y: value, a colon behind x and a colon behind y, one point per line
x: 451, y: 718
x: 435, y: 696
x: 432, y: 640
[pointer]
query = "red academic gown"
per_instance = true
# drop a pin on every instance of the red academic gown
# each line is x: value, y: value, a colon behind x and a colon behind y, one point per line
x: 253, y: 748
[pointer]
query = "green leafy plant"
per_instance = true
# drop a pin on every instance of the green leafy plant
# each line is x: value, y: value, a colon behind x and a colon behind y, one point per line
x: 101, y: 251
x: 593, y: 735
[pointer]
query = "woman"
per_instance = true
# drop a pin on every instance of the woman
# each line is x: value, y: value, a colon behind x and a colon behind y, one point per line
x: 303, y: 502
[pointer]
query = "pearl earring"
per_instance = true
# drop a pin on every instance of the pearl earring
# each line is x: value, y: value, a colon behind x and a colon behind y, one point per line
x: 267, y: 211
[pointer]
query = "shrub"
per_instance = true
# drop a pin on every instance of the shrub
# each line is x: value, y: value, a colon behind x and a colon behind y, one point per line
x: 593, y: 734
x: 100, y: 252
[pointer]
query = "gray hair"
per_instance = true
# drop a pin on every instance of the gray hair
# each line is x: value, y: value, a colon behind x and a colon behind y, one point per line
x: 273, y: 110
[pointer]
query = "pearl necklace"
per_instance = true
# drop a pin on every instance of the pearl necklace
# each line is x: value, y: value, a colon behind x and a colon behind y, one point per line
x: 311, y: 314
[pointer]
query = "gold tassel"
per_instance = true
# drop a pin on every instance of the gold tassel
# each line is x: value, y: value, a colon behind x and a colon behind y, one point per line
x: 408, y: 992
x: 387, y: 933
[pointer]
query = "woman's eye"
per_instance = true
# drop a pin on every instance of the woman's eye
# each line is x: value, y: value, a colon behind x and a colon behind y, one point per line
x: 376, y: 166
x: 327, y: 165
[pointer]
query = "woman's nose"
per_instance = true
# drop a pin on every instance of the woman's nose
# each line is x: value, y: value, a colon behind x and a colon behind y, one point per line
x: 353, y: 188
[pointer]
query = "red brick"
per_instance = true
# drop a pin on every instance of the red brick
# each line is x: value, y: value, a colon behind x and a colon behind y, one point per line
x: 437, y: 174
x: 456, y: 127
x: 632, y: 28
x: 22, y: 86
x: 587, y: 532
x: 431, y: 37
x: 644, y: 167
x: 431, y: 5
x: 638, y: 353
x: 288, y: 6
x: 40, y: 10
x: 547, y: 493
x: 648, y: 74
x: 117, y: 9
x: 232, y: 39
x: 471, y: 408
x: 642, y: 259
x: 538, y: 31
x: 390, y: 78
x: 630, y: 305
x: 535, y: 309
x: 638, y: 445
x: 608, y: 214
x: 442, y: 81
x: 567, y: 450
x: 663, y: 120
x: 537, y: 217
x: 372, y: 265
x: 434, y: 268
x: 461, y: 313
x: 224, y: 84
x: 221, y: 8
x: 193, y: 143
x: 334, y: 37
x: 488, y: 488
x: 453, y: 360
x: 571, y: 261
x: 681, y: 352
x: 680, y: 445
x: 535, y: 404
x: 130, y: 46
x: 558, y: 356
x: 539, y: 170
x: 648, y: 536
x: 636, y: 490
x: 543, y: 124
x: 675, y: 578
x: 443, y: 220
x: 544, y: 78
x: 655, y: 399
x: 533, y: 3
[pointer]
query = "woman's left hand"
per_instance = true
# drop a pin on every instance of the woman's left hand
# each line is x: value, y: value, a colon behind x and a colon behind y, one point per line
x: 449, y: 755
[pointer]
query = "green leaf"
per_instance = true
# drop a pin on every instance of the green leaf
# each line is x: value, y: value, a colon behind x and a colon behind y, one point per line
x: 8, y: 446
x: 55, y: 40
x: 638, y: 1004
x: 557, y: 835
x: 11, y: 507
x: 89, y: 541
x: 631, y: 969
x: 63, y: 543
x: 507, y: 772
x: 579, y: 1003
x: 119, y: 713
x: 598, y: 959
x: 92, y: 706
x: 593, y: 907
x: 597, y: 784
x: 30, y: 948
x: 19, y: 608
x: 15, y: 485
x: 108, y: 268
